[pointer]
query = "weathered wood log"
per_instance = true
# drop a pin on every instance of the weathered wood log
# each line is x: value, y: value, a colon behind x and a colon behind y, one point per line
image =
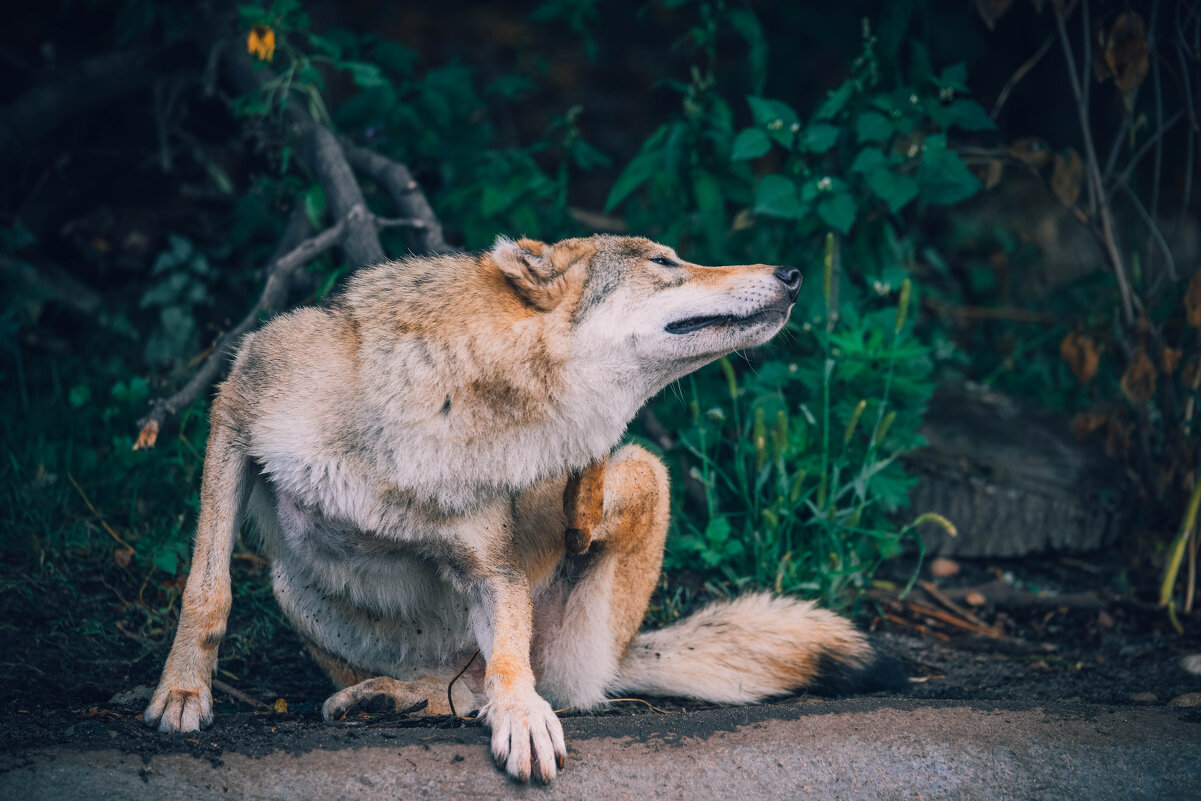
x: 1012, y: 478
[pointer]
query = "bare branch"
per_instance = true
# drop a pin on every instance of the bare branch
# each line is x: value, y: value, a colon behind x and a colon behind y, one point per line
x: 1019, y: 74
x: 279, y: 276
x: 1094, y: 172
x: 406, y: 195
x: 56, y: 284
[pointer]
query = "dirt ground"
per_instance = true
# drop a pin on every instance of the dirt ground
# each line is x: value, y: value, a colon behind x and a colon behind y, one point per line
x: 64, y: 684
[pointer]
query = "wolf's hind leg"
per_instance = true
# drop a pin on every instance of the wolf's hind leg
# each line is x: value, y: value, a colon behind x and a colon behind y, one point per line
x: 584, y: 622
x: 426, y: 695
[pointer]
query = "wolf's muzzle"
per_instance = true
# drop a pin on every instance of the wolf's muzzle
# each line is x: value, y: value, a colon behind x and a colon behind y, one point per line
x: 791, y: 278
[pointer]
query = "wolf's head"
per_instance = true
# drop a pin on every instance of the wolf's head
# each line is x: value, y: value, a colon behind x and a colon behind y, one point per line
x: 634, y: 302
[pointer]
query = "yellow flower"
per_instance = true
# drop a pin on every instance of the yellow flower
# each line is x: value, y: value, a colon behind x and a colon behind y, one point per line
x: 261, y: 42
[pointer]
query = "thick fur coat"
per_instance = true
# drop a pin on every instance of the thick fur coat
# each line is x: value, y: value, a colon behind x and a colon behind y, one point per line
x: 428, y: 462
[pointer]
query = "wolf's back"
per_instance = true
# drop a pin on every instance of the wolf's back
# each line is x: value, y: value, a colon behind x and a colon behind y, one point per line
x: 751, y: 648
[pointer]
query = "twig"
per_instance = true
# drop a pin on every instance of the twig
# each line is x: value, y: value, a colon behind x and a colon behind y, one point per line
x: 239, y: 695
x: 1106, y: 233
x: 639, y: 701
x: 99, y: 516
x: 1019, y: 74
x: 1128, y: 170
x: 938, y: 595
x: 900, y: 621
x: 279, y: 276
x: 449, y: 695
x: 952, y: 620
x: 1156, y: 234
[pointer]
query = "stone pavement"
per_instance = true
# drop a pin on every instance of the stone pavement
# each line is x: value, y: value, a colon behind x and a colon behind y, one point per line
x: 864, y: 748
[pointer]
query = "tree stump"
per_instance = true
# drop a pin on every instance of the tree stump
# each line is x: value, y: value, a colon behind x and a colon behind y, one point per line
x: 1012, y: 478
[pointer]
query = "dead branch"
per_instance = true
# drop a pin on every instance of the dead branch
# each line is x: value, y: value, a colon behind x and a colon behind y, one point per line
x: 406, y: 194
x: 91, y: 84
x: 279, y: 277
x: 1096, y: 187
x: 56, y: 284
x: 355, y: 232
x: 239, y: 695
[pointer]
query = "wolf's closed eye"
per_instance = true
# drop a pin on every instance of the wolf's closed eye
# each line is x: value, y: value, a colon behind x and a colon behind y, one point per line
x: 666, y: 261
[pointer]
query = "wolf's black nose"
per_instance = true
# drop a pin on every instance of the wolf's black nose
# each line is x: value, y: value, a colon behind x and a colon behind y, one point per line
x: 791, y: 277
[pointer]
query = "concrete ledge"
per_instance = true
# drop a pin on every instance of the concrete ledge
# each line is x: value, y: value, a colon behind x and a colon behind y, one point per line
x: 859, y: 749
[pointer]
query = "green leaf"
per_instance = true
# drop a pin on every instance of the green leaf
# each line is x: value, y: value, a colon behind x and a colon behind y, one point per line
x: 818, y: 137
x: 777, y: 118
x: 766, y: 111
x: 710, y: 206
x: 954, y: 77
x: 327, y: 46
x: 366, y: 76
x: 944, y: 179
x: 894, y: 188
x: 838, y: 211
x: 750, y: 144
x: 970, y: 116
x: 835, y: 101
x: 314, y: 205
x: 868, y: 159
x: 747, y: 24
x: 640, y: 169
x: 872, y: 126
x: 718, y: 531
x: 167, y: 561
x: 79, y: 395
x: 777, y: 196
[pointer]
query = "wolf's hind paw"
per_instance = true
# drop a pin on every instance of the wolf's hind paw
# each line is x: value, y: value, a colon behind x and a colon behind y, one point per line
x: 403, y: 698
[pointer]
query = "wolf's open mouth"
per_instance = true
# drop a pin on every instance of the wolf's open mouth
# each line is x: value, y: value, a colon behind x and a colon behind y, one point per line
x: 690, y: 324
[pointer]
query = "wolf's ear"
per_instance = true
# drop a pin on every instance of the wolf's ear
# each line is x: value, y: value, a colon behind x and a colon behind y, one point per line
x: 534, y: 270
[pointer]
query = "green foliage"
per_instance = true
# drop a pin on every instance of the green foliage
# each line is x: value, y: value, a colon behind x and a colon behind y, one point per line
x: 867, y: 152
x: 797, y: 454
x: 797, y: 457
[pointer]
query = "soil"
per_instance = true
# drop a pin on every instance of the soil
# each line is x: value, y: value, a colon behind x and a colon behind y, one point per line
x: 61, y: 683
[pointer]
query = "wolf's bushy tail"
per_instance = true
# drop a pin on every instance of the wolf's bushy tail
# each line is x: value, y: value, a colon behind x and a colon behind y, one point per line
x: 751, y: 648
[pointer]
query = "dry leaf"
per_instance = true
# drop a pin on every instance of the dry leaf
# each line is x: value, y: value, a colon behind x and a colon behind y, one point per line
x: 1191, y: 375
x: 993, y: 173
x: 1117, y: 437
x: 992, y: 10
x: 1126, y: 54
x: 1192, y: 300
x: 1031, y: 151
x: 280, y: 707
x: 1068, y: 177
x: 1138, y: 382
x: 1086, y: 423
x: 123, y: 556
x: 1171, y: 360
x: 1080, y: 353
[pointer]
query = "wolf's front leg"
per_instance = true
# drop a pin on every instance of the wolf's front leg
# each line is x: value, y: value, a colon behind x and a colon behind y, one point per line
x: 527, y: 738
x: 184, y: 700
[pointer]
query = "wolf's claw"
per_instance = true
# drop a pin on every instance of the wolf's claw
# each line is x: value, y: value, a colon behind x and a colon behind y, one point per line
x: 527, y: 738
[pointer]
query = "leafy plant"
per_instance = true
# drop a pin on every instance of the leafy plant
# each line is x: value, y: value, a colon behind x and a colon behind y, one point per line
x: 797, y: 454
x: 799, y: 460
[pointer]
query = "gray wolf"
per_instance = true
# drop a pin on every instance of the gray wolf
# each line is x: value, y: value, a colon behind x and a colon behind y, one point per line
x: 429, y: 462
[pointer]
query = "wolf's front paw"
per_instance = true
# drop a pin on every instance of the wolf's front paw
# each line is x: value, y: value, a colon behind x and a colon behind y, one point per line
x: 527, y: 738
x: 178, y: 707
